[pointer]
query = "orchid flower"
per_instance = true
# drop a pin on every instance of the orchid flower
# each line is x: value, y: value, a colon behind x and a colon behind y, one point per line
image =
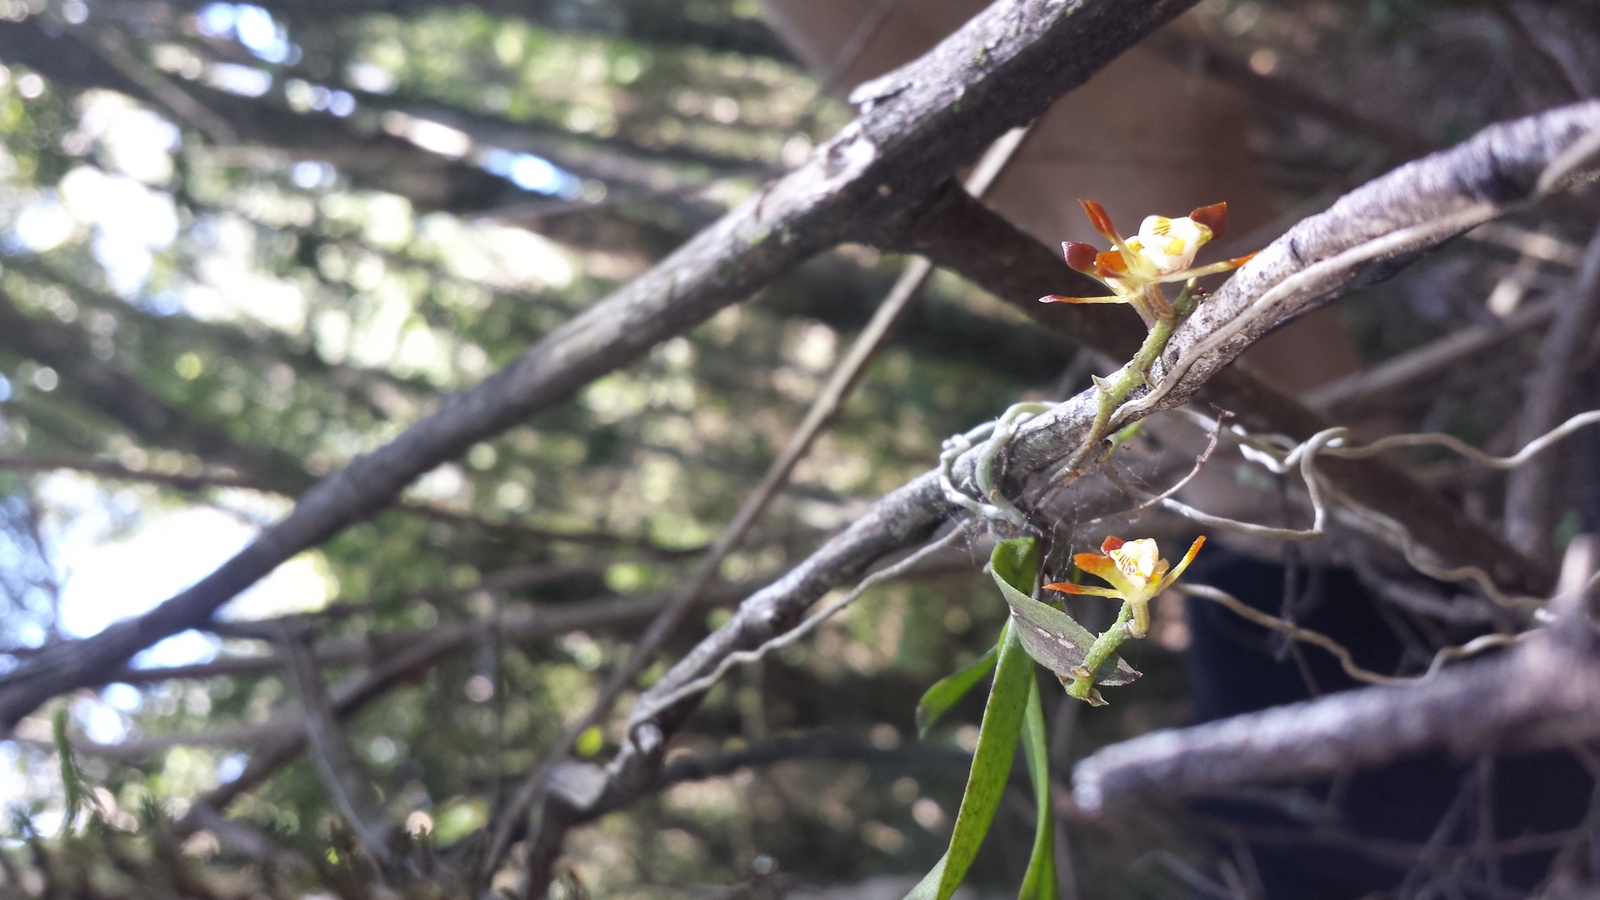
x: 1161, y: 253
x: 1135, y: 572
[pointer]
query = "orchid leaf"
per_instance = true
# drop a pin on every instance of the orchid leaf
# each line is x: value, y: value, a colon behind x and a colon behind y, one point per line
x: 1018, y: 561
x: 1055, y: 639
x: 1040, y: 881
x: 949, y: 690
x: 991, y: 762
x: 928, y: 887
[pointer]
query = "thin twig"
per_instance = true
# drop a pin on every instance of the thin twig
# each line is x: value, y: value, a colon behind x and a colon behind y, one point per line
x: 349, y: 786
x: 1426, y: 364
x: 524, y: 626
x: 1531, y: 501
x: 794, y: 634
x: 195, y: 481
x: 1347, y: 662
x: 1213, y: 435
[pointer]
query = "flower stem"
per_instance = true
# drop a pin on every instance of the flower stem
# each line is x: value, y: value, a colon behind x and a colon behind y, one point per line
x: 1082, y: 686
x: 1117, y: 387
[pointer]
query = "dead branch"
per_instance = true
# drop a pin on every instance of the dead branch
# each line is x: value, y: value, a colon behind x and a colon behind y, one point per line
x: 1377, y: 386
x: 1539, y: 696
x: 335, y: 760
x: 518, y: 626
x: 1531, y: 502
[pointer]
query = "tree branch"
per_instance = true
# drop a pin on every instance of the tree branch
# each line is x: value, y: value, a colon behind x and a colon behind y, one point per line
x: 917, y: 125
x: 519, y: 626
x: 965, y: 237
x: 1541, y: 695
x: 659, y: 22
x: 1379, y: 385
x: 1531, y: 502
x: 336, y: 761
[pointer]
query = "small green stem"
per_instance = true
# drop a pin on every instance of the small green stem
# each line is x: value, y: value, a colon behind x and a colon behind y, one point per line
x: 1117, y: 387
x: 1082, y: 686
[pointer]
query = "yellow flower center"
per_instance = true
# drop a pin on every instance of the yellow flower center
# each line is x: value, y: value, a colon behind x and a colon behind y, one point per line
x: 1169, y: 245
x: 1138, y: 560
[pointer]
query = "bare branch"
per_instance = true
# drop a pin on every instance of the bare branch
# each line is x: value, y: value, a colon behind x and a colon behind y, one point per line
x: 1531, y: 503
x: 1368, y: 389
x: 810, y: 747
x: 1546, y: 692
x: 32, y: 732
x: 344, y: 701
x: 1542, y: 695
x: 918, y: 124
x: 335, y: 760
x: 195, y: 481
x: 518, y: 626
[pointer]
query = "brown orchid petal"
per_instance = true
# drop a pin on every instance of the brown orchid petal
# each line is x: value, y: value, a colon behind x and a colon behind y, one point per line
x: 1079, y: 256
x: 1101, y: 221
x: 1214, y: 217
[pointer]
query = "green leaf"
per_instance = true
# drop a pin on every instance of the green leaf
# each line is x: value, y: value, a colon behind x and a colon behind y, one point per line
x: 949, y: 690
x: 1018, y: 559
x: 928, y: 887
x: 1015, y: 563
x: 991, y: 763
x: 1040, y: 881
x: 1054, y: 638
